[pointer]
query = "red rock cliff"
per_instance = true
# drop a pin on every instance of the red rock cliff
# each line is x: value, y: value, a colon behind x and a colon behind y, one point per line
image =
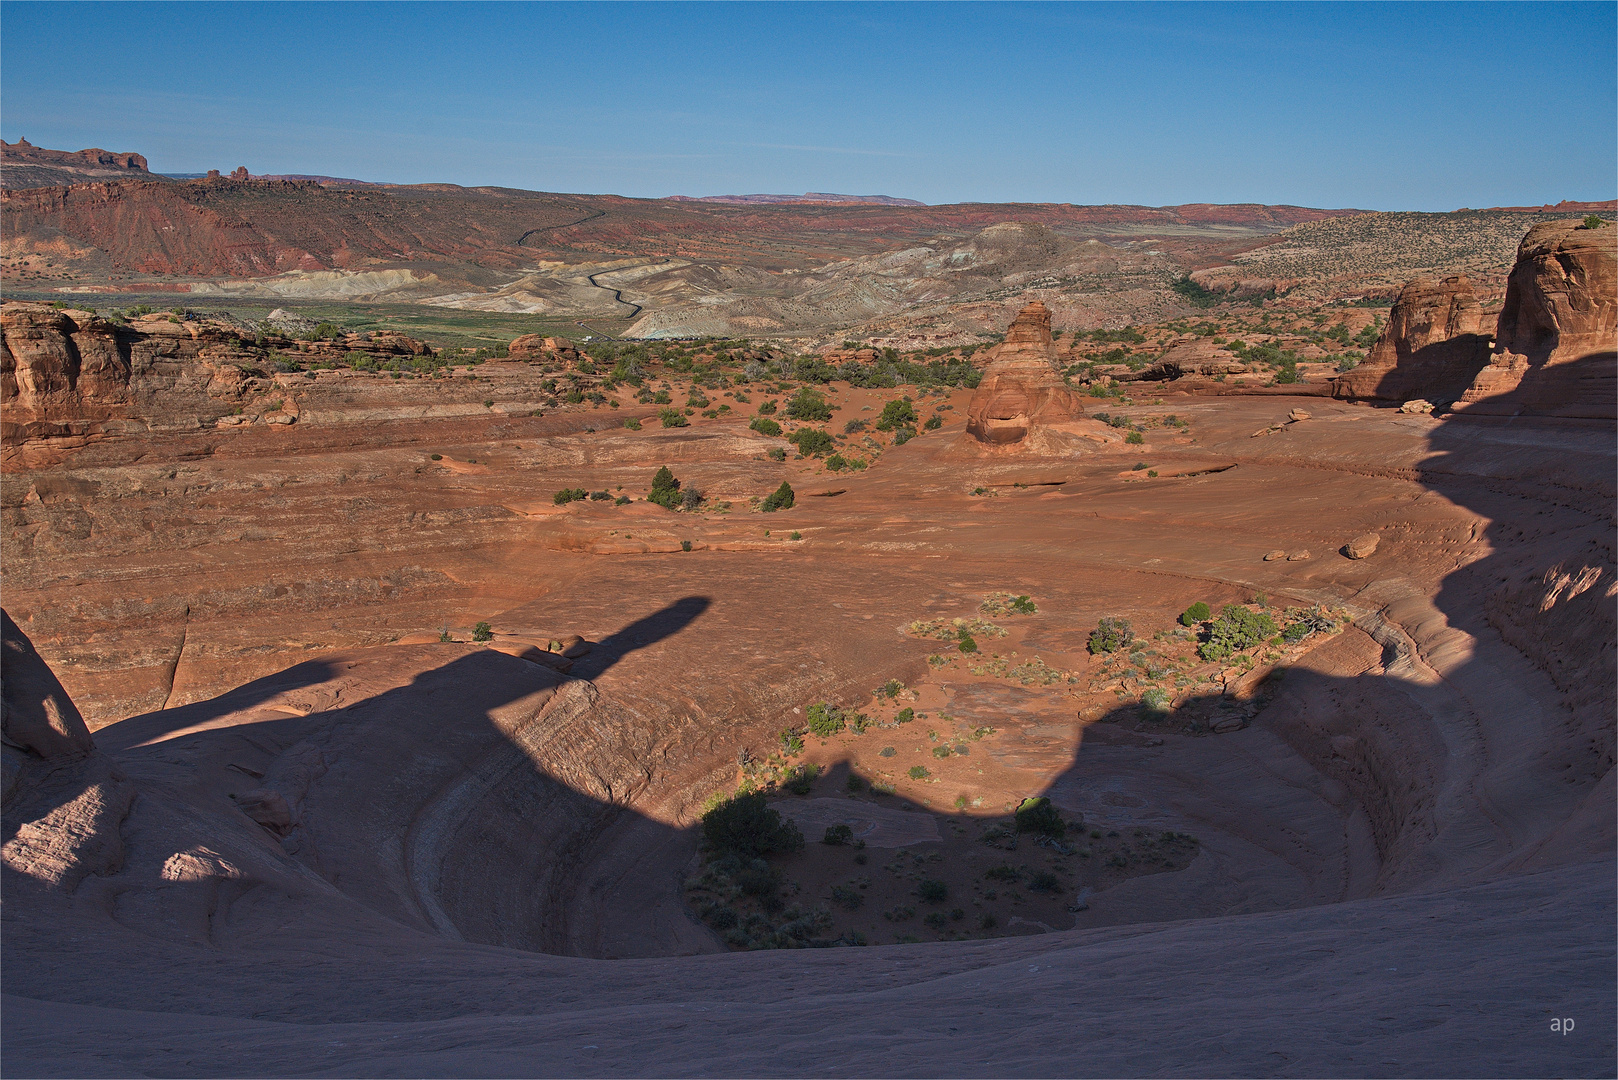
x: 1433, y: 346
x: 1555, y: 351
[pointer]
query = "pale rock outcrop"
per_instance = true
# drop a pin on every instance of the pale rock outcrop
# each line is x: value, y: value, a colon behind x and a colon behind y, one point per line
x: 1555, y: 352
x: 1433, y: 346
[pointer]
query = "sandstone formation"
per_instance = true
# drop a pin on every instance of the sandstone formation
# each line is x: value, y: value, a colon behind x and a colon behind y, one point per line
x: 390, y: 837
x: 70, y: 378
x: 1433, y: 346
x: 1555, y: 352
x: 1189, y: 357
x: 542, y: 347
x: 1023, y: 402
x: 36, y: 715
x: 1362, y: 546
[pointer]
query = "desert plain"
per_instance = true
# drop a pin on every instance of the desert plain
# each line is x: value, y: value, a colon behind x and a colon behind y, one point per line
x: 1126, y: 672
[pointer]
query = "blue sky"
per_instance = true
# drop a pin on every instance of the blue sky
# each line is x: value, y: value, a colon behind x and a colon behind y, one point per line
x: 1378, y: 106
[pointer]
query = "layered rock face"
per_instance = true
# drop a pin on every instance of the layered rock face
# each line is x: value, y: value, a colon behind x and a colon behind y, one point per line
x: 69, y: 378
x: 1433, y: 346
x: 1022, y: 391
x: 1555, y: 338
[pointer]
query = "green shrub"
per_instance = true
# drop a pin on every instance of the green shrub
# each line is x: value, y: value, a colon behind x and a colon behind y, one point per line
x: 482, y: 632
x: 765, y: 426
x: 791, y: 742
x: 567, y: 495
x: 776, y: 453
x: 1134, y: 438
x: 1036, y: 815
x: 1110, y: 635
x: 896, y: 414
x: 722, y: 918
x: 825, y: 720
x: 967, y: 643
x: 1044, y: 881
x: 1196, y: 613
x: 812, y: 442
x: 745, y: 826
x: 632, y: 424
x: 919, y: 772
x: 934, y: 422
x: 1154, y: 702
x: 845, y: 896
x: 600, y: 496
x: 685, y: 545
x: 801, y: 781
x: 1592, y: 221
x: 1003, y: 873
x: 673, y: 418
x: 854, y: 783
x: 837, y: 835
x: 932, y: 891
x: 940, y: 752
x: 782, y: 499
x: 665, y: 489
x: 837, y: 463
x: 808, y: 404
x: 1237, y: 628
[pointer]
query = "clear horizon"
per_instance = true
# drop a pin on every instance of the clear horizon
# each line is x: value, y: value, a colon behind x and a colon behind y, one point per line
x: 1372, y: 106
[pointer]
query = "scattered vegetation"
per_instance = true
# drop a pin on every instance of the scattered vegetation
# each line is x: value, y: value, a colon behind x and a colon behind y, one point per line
x: 1110, y: 635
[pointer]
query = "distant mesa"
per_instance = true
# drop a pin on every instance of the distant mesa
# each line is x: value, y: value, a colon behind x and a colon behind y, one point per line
x: 1608, y: 206
x: 806, y: 197
x: 25, y: 165
x: 22, y: 152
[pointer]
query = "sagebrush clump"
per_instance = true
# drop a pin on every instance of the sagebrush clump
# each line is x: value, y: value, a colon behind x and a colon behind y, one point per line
x: 1110, y: 635
x: 1237, y: 628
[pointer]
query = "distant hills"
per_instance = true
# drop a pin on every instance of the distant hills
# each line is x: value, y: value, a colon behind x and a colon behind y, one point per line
x: 23, y: 164
x: 806, y: 197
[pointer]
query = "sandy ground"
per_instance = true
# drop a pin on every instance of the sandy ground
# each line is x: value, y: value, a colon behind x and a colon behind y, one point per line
x: 1404, y: 860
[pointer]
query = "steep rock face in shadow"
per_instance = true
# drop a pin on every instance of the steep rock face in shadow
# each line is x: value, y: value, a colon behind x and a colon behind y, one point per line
x: 1432, y: 347
x: 1554, y: 353
x: 35, y: 712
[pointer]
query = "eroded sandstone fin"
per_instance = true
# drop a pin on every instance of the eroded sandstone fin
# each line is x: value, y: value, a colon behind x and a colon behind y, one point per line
x: 1022, y: 390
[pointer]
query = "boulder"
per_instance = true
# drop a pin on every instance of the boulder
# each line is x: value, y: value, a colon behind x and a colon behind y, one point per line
x: 540, y: 347
x: 1554, y: 352
x: 1298, y: 414
x: 1022, y: 391
x: 1416, y: 407
x: 1433, y: 346
x: 1188, y: 356
x: 1362, y: 546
